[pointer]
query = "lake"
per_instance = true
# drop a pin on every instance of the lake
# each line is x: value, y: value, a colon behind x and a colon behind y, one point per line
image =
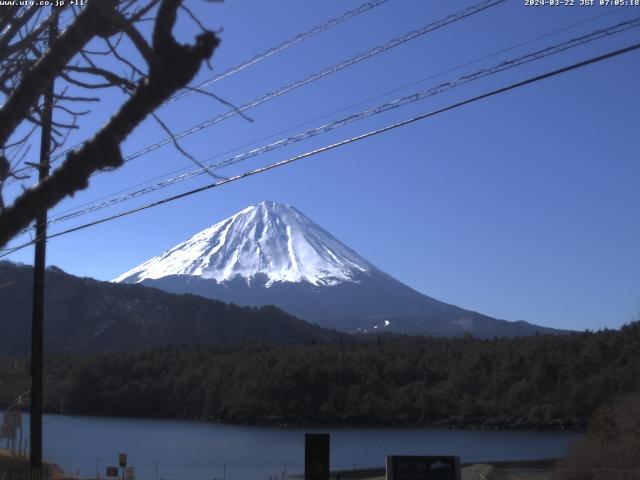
x: 172, y: 450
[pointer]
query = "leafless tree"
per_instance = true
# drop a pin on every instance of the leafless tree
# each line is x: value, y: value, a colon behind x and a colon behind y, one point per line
x: 29, y: 63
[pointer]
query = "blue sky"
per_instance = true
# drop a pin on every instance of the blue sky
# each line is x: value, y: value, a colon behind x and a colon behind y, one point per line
x: 522, y: 206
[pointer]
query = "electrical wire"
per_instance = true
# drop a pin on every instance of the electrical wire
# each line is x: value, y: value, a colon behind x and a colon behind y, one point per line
x: 482, y: 6
x: 319, y: 75
x: 403, y: 101
x: 341, y: 143
x: 365, y: 7
x: 361, y: 102
x: 284, y: 45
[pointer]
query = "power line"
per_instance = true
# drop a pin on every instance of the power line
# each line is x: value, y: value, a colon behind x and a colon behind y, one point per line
x: 415, y: 97
x: 341, y: 143
x: 321, y: 74
x: 315, y: 76
x: 365, y: 7
x: 284, y: 45
x: 361, y: 102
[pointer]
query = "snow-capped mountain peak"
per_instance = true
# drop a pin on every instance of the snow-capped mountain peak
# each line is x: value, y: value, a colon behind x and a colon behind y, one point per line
x: 272, y: 239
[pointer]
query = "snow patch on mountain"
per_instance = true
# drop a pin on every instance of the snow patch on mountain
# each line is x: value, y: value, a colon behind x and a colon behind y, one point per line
x: 271, y: 239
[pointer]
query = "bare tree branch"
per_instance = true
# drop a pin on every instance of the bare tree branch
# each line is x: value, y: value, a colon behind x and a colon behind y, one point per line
x: 171, y: 67
x: 32, y: 85
x: 112, y: 79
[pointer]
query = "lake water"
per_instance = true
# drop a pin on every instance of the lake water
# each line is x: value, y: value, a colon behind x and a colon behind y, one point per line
x: 172, y: 450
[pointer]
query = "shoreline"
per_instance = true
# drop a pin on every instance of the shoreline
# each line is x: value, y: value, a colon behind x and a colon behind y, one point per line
x: 369, y: 450
x: 337, y: 426
x: 471, y: 470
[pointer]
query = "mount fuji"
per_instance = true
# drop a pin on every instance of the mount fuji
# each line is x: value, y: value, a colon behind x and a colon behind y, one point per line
x: 273, y: 254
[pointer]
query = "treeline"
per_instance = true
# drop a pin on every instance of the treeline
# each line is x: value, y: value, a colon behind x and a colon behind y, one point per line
x: 542, y: 381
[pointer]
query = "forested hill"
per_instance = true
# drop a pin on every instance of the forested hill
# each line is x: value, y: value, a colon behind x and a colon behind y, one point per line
x: 541, y: 381
x: 84, y: 315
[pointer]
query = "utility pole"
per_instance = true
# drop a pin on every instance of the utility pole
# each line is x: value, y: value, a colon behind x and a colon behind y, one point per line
x: 37, y: 319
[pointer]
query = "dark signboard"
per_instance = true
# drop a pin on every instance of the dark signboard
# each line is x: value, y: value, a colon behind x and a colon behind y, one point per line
x: 112, y: 471
x: 130, y: 473
x: 401, y: 467
x: 122, y: 460
x: 316, y: 456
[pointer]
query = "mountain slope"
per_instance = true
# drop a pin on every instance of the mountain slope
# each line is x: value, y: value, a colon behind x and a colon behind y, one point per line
x: 269, y: 239
x: 273, y: 254
x: 375, y: 303
x: 86, y: 315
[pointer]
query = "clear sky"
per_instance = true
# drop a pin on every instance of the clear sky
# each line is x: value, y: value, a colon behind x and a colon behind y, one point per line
x: 522, y: 206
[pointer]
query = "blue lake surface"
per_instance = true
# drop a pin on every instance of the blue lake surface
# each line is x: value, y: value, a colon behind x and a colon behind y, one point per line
x: 172, y: 450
